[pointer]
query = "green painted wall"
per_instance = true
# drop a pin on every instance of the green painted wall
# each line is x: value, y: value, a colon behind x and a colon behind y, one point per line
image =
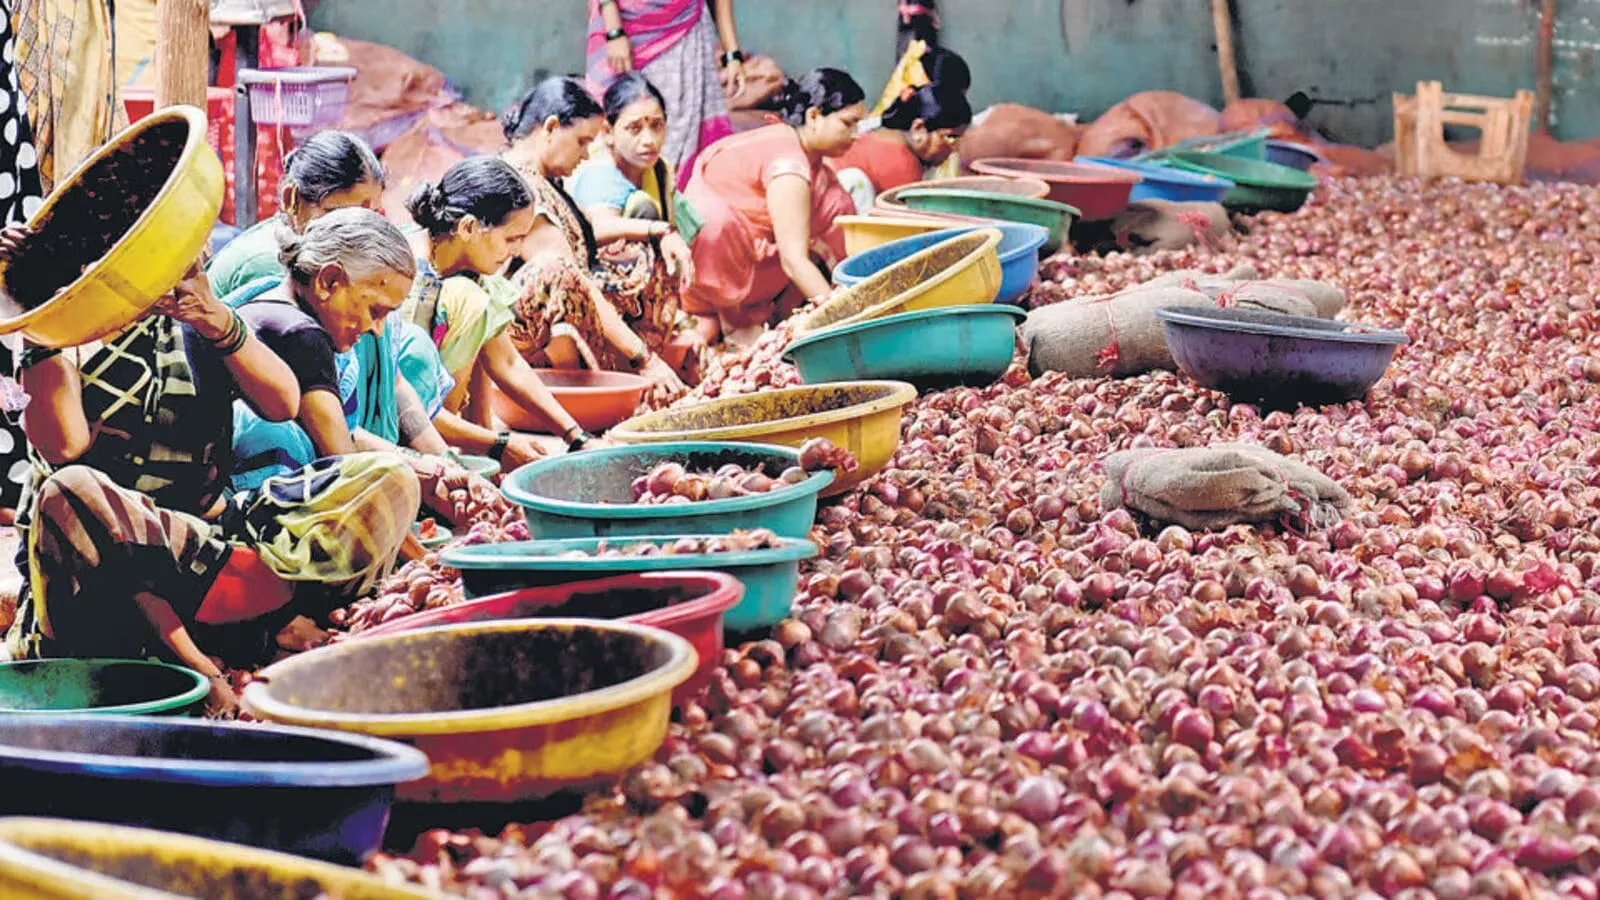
x: 1064, y: 55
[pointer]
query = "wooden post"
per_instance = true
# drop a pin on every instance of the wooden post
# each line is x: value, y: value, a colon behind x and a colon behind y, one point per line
x: 1223, y: 23
x: 183, y: 52
x: 1547, y: 40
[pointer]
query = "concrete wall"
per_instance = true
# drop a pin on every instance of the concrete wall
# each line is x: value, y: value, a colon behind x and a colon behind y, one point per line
x: 1065, y: 55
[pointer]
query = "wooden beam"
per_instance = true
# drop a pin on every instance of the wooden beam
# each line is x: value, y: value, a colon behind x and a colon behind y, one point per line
x: 1222, y: 22
x: 183, y: 52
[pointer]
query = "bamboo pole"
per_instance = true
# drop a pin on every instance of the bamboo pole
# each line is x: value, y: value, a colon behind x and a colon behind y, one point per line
x: 1547, y: 40
x: 1223, y: 23
x: 183, y: 52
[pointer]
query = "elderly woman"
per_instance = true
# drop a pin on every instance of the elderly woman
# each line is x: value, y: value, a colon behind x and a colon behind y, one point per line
x: 474, y: 219
x: 767, y: 202
x: 347, y: 276
x: 565, y: 281
x: 132, y: 543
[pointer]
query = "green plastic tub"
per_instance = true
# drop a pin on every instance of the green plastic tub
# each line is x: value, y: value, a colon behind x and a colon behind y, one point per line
x: 974, y: 346
x: 119, y: 687
x: 1250, y: 145
x: 1256, y: 185
x: 771, y: 578
x: 589, y: 494
x: 1048, y: 214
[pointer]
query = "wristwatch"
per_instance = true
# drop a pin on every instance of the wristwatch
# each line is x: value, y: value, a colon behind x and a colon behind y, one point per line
x: 614, y: 35
x: 497, y: 450
x: 732, y: 56
x: 579, y: 439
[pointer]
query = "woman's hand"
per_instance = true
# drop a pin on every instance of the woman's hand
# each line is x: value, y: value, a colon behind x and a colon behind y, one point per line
x: 11, y: 238
x: 732, y: 76
x: 221, y: 702
x: 619, y: 51
x: 521, y: 450
x: 679, y: 259
x: 192, y: 303
x: 661, y: 375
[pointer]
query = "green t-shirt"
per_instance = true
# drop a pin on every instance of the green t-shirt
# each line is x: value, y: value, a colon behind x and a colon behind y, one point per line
x: 248, y: 257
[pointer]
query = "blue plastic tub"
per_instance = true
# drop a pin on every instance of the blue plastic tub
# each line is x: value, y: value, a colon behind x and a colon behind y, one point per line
x: 589, y: 494
x: 1166, y: 183
x: 1019, y: 248
x: 771, y: 578
x: 1280, y: 360
x: 1295, y: 156
x: 932, y: 348
x: 312, y: 793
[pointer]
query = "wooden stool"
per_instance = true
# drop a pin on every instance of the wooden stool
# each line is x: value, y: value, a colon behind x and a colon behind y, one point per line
x: 1420, y: 148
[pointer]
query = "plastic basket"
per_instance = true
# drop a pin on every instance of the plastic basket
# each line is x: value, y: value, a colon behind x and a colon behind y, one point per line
x: 304, y: 98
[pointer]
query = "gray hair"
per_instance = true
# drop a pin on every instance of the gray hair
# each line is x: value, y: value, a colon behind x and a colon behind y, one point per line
x: 360, y: 241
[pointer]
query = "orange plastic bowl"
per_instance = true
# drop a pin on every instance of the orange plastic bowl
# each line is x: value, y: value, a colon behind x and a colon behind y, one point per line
x: 598, y: 400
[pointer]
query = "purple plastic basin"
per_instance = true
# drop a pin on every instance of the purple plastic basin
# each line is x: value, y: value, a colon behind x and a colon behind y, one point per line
x: 1277, y: 359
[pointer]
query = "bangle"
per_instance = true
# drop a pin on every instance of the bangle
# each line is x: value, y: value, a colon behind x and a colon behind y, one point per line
x: 616, y: 34
x: 32, y: 356
x: 233, y: 341
x: 732, y: 56
x: 497, y: 450
x: 579, y: 440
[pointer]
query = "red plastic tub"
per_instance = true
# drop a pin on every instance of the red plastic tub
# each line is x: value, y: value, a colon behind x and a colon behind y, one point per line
x: 688, y: 604
x: 1099, y: 192
x: 598, y: 400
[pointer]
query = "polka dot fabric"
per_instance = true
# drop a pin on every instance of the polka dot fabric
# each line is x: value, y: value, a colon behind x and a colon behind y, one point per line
x: 21, y: 196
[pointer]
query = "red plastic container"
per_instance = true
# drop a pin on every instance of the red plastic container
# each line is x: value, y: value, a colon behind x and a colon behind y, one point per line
x: 1099, y: 192
x: 598, y: 400
x: 271, y: 145
x: 688, y: 604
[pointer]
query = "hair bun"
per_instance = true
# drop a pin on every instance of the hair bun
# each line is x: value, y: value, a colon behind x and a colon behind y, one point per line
x: 427, y: 205
x: 289, y: 244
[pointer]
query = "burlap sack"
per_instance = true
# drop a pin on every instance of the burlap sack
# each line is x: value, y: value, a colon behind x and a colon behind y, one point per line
x: 1207, y: 488
x: 1149, y: 225
x: 1010, y: 130
x: 1113, y: 335
x: 1243, y: 286
x: 1149, y: 120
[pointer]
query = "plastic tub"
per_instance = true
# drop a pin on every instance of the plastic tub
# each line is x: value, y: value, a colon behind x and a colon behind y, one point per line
x: 1018, y: 250
x: 1054, y: 217
x: 1022, y: 186
x: 1257, y: 185
x: 1166, y: 183
x: 598, y: 400
x: 54, y: 859
x: 692, y: 605
x: 959, y: 271
x: 1247, y: 145
x: 1294, y: 156
x: 506, y: 711
x: 862, y: 417
x: 121, y: 687
x: 975, y: 347
x: 863, y: 233
x: 589, y: 494
x: 1097, y: 192
x: 305, y: 792
x: 1279, y: 359
x: 143, y: 263
x: 770, y: 578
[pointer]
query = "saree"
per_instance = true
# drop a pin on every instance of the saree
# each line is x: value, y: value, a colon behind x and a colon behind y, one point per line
x: 675, y: 45
x: 65, y: 69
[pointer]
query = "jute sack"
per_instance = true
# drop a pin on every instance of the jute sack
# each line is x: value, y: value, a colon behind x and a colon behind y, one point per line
x: 1150, y: 225
x: 1209, y: 488
x: 1117, y: 334
x: 1319, y: 298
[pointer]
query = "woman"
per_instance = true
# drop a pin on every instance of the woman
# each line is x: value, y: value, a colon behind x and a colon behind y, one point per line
x: 625, y: 187
x: 922, y: 64
x: 919, y: 132
x: 563, y: 282
x: 768, y: 202
x: 676, y: 46
x: 475, y: 218
x: 331, y: 170
x: 133, y: 546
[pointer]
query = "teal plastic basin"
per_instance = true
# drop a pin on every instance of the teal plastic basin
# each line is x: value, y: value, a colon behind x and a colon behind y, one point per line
x: 771, y: 578
x: 1055, y: 218
x: 932, y: 348
x: 588, y: 494
x: 1257, y: 185
x: 1019, y: 256
x: 1249, y: 145
x: 119, y: 687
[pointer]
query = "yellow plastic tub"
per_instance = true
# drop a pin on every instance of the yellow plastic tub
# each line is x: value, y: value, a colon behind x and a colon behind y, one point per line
x: 506, y: 711
x: 963, y: 271
x: 54, y: 859
x: 146, y: 261
x: 860, y: 416
x: 863, y: 233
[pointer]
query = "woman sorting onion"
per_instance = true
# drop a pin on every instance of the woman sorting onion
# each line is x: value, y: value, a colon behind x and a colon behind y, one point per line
x: 568, y: 306
x: 132, y: 543
x: 475, y: 218
x: 767, y: 202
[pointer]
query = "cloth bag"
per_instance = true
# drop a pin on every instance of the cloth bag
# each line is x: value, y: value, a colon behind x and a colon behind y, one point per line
x: 1210, y: 488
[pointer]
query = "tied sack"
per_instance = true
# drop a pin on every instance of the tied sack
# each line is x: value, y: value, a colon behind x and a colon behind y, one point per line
x: 1243, y: 286
x: 1114, y: 335
x: 1150, y: 225
x: 1210, y: 488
